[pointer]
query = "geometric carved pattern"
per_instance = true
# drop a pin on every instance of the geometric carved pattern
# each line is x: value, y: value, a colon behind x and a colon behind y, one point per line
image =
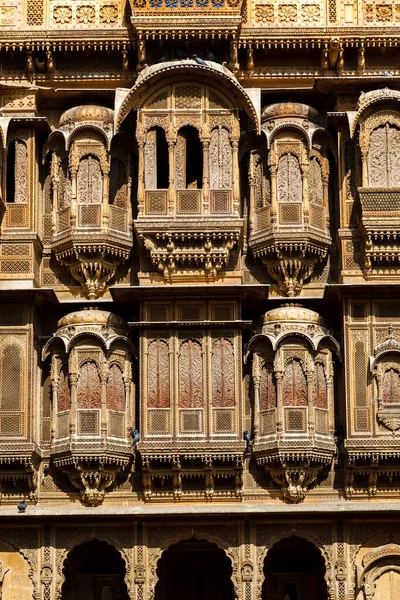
x: 223, y: 374
x: 158, y: 374
x: 115, y: 389
x: 88, y: 388
x: 294, y: 385
x: 11, y: 378
x: 190, y: 366
x: 295, y: 420
x: 267, y: 387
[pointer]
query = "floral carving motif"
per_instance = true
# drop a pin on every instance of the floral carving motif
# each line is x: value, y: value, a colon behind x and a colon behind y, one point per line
x: 88, y: 388
x: 158, y: 374
x: 62, y: 15
x: 320, y: 396
x: 264, y: 13
x: 108, y: 14
x: 391, y: 387
x: 190, y: 367
x: 267, y: 388
x: 384, y: 13
x: 315, y: 186
x: 64, y: 186
x: 384, y: 157
x: 115, y: 389
x: 294, y: 385
x: 64, y: 395
x: 89, y: 181
x: 21, y: 170
x: 85, y: 14
x: 287, y: 13
x: 220, y: 160
x: 223, y: 374
x: 310, y: 13
x: 289, y: 179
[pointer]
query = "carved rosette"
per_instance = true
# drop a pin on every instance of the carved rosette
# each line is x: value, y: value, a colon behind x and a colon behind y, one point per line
x: 92, y: 400
x: 292, y: 372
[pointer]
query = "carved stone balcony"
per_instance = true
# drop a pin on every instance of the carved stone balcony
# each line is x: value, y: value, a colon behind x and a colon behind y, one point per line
x: 91, y: 219
x: 91, y: 378
x: 381, y: 230
x: 293, y: 398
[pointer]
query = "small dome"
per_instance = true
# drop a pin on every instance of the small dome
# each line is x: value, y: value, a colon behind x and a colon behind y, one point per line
x: 92, y: 316
x: 88, y: 113
x: 293, y: 313
x: 290, y: 109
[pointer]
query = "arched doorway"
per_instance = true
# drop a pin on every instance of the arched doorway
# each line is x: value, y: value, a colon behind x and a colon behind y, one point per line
x: 294, y: 570
x: 194, y: 570
x: 94, y: 571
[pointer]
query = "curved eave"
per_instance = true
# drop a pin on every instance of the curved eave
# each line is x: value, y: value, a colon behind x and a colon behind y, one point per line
x: 374, y: 360
x: 207, y: 73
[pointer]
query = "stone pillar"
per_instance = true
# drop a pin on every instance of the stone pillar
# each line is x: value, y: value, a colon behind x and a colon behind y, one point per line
x: 206, y: 176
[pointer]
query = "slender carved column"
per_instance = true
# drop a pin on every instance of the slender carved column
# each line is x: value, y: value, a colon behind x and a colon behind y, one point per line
x: 55, y: 180
x: 306, y: 204
x: 273, y: 170
x: 106, y: 195
x: 73, y: 380
x: 279, y: 403
x: 206, y: 176
x: 364, y: 162
x: 325, y: 184
x: 256, y: 406
x: 235, y: 176
x: 311, y: 410
x: 171, y: 175
x: 141, y: 192
x: 252, y: 184
x: 103, y: 384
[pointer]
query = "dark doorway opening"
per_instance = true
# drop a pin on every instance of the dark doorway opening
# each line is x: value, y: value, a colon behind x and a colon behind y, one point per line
x: 294, y: 570
x: 194, y: 570
x: 94, y: 571
x: 193, y: 157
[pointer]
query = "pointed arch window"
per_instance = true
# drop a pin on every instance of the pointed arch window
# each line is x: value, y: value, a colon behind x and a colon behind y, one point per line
x: 294, y: 385
x: 88, y: 391
x: 289, y: 182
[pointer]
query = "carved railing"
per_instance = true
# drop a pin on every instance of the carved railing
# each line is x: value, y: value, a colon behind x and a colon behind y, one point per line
x: 118, y: 218
x: 17, y: 215
x: 63, y: 219
x: 262, y: 218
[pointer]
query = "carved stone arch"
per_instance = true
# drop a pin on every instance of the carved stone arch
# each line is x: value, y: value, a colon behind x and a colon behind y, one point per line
x: 290, y: 127
x: 16, y: 539
x: 320, y: 137
x: 89, y: 127
x: 81, y: 336
x: 368, y: 100
x: 55, y: 142
x: 304, y: 339
x: 78, y: 539
x: 156, y: 555
x: 263, y: 549
x: 375, y: 120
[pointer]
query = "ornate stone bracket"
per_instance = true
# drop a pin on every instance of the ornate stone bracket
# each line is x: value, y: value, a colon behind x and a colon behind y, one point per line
x: 294, y: 481
x: 20, y: 469
x: 209, y: 252
x: 92, y: 476
x: 389, y: 417
x: 93, y: 265
x: 290, y: 263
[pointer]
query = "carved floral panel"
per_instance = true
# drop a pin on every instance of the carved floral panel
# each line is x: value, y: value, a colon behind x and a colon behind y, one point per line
x: 289, y: 181
x: 391, y: 387
x: 223, y: 374
x: 190, y: 369
x: 64, y: 395
x: 88, y: 389
x: 64, y: 186
x: 150, y: 157
x: 220, y: 160
x: 89, y: 181
x: 21, y: 172
x: 267, y: 387
x: 319, y: 391
x: 89, y: 13
x: 384, y: 157
x: 294, y: 385
x: 158, y: 382
x: 115, y: 395
x: 315, y: 186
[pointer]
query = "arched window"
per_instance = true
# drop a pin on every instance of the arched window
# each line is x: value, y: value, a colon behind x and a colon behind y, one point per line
x: 90, y: 187
x: 190, y: 369
x: 223, y: 374
x: 156, y: 159
x: 294, y: 385
x: 315, y: 185
x: 220, y: 160
x: 17, y: 172
x: 384, y: 157
x: 391, y: 387
x: 115, y: 394
x: 267, y: 387
x: 158, y: 374
x: 118, y: 183
x: 64, y: 395
x: 88, y: 390
x: 320, y: 396
x: 64, y: 185
x: 188, y: 159
x: 289, y: 182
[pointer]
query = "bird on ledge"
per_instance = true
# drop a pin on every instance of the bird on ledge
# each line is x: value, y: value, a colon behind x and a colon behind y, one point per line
x: 199, y: 61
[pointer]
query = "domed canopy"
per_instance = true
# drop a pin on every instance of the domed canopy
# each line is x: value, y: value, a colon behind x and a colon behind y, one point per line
x: 293, y: 312
x: 87, y: 113
x: 102, y: 325
x: 290, y: 110
x: 206, y: 71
